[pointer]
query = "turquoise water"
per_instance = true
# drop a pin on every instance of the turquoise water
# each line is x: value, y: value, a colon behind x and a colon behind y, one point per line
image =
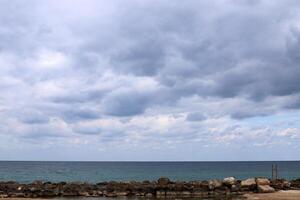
x: 94, y: 172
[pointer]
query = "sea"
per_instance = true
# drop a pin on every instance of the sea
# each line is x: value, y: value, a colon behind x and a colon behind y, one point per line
x: 94, y: 172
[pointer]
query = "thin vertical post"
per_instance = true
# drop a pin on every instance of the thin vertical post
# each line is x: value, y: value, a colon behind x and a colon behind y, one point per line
x: 274, y: 171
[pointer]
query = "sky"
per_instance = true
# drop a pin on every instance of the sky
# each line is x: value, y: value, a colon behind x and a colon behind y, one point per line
x: 150, y: 80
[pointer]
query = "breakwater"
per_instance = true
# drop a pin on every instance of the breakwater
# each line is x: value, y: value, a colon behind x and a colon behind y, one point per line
x: 163, y: 187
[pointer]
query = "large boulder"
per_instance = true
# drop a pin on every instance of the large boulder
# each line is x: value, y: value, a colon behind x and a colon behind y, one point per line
x: 229, y: 181
x: 265, y: 189
x: 214, y: 184
x: 248, y: 184
x: 262, y: 181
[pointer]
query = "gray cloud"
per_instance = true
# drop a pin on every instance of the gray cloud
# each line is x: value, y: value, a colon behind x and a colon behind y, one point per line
x: 136, y: 63
x: 195, y: 116
x: 126, y: 103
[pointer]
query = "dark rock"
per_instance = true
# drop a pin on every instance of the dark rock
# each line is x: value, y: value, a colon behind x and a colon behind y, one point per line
x: 280, y: 184
x: 295, y: 184
x: 163, y: 181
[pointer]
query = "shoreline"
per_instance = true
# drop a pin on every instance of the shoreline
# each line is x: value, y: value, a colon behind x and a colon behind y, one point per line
x: 278, y: 195
x: 162, y: 188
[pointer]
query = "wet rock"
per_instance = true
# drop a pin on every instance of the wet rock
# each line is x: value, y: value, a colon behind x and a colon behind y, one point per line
x: 265, y: 189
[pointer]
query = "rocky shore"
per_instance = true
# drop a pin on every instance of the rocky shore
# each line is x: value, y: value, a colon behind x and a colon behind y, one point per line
x: 162, y: 188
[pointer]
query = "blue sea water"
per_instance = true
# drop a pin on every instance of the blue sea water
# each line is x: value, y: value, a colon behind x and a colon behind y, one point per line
x: 93, y: 172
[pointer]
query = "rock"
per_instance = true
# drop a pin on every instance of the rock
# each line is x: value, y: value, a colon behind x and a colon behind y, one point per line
x: 280, y: 184
x: 295, y: 184
x: 149, y: 195
x: 248, y: 183
x: 110, y: 194
x: 262, y: 181
x: 163, y: 181
x: 37, y: 182
x: 200, y: 194
x: 171, y: 194
x: 160, y: 193
x: 214, y: 184
x: 185, y: 194
x: 229, y: 181
x: 265, y: 189
x: 162, y: 188
x: 234, y: 188
x: 85, y: 194
x: 122, y: 193
x: 18, y: 194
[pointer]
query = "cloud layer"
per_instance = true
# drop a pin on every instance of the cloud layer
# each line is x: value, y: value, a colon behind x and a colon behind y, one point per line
x: 140, y: 80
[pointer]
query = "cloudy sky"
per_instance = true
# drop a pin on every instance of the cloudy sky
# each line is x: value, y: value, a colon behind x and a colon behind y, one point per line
x: 149, y: 80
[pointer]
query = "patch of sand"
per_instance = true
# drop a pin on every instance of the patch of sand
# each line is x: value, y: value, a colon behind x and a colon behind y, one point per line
x: 280, y: 195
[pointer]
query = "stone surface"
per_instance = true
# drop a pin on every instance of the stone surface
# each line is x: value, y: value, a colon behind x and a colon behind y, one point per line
x: 214, y: 184
x: 250, y: 182
x: 280, y: 184
x: 163, y: 181
x: 265, y: 189
x: 229, y: 181
x: 163, y: 188
x: 262, y: 181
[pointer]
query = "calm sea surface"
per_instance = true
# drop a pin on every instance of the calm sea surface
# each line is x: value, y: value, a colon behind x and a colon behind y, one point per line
x: 94, y: 172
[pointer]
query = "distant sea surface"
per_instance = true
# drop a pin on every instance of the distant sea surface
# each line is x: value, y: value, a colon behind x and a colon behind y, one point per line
x: 94, y: 172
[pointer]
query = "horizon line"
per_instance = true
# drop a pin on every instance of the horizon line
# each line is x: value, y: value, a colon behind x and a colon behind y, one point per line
x: 149, y: 161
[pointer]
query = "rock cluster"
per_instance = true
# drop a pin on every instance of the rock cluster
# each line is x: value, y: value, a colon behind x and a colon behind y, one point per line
x: 163, y: 187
